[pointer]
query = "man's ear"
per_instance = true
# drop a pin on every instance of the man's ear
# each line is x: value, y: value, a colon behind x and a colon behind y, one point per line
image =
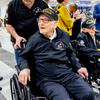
x: 56, y: 24
x: 84, y: 29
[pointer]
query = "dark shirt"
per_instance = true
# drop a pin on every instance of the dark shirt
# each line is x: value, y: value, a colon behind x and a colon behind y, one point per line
x: 76, y: 29
x: 51, y: 57
x: 22, y: 18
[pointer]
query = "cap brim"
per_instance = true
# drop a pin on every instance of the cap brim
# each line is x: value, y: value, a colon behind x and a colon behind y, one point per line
x: 92, y: 25
x: 40, y: 13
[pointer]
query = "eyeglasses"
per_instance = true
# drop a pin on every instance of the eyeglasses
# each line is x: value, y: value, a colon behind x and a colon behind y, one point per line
x: 27, y: 0
x: 92, y: 28
x: 43, y: 20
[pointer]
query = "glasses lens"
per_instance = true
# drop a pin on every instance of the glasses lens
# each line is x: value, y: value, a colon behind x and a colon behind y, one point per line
x: 43, y: 20
x: 27, y: 0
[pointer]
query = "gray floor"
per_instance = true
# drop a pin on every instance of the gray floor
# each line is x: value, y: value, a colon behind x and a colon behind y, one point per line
x: 7, y: 63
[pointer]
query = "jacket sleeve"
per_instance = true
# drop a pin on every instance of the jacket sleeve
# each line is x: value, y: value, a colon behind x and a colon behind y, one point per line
x: 26, y: 55
x: 10, y: 13
x: 65, y: 17
x: 73, y: 58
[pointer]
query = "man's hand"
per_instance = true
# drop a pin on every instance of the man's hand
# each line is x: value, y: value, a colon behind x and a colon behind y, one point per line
x: 24, y: 76
x: 19, y: 39
x: 83, y: 72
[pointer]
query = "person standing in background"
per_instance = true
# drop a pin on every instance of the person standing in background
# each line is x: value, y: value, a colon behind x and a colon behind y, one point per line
x: 96, y: 15
x: 65, y: 21
x: 21, y: 20
x: 77, y: 17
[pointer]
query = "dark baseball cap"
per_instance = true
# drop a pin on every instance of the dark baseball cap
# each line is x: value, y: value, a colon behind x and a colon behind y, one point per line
x: 88, y: 23
x: 49, y: 13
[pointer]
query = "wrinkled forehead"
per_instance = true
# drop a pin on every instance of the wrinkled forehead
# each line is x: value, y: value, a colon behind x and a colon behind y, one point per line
x: 27, y: 0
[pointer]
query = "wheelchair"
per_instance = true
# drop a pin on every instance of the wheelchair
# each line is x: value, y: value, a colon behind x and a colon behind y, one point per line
x: 91, y: 64
x: 26, y: 92
x: 23, y: 92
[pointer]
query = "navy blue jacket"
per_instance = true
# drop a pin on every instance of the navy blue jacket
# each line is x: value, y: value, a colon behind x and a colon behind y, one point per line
x: 51, y: 58
x: 96, y: 15
x: 86, y: 46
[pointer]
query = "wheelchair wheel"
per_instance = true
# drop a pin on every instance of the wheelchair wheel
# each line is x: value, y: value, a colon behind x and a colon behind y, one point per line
x: 18, y: 91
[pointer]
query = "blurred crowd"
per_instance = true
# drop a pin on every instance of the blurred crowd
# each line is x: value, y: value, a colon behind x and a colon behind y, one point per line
x: 77, y: 13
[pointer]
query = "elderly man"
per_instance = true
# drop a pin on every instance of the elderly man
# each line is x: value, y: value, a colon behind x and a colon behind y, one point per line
x: 89, y: 44
x: 52, y: 53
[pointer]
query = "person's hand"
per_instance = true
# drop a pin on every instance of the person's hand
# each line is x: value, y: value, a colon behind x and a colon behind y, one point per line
x: 19, y: 40
x: 79, y: 16
x: 83, y: 72
x: 24, y: 76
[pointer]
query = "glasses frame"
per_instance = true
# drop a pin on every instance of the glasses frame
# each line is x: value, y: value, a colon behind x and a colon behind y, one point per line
x: 44, y: 20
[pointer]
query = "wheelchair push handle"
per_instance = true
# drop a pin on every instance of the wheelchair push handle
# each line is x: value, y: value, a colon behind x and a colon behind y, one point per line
x: 23, y: 44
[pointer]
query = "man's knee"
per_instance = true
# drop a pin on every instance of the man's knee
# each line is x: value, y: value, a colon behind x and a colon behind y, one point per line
x: 88, y: 95
x: 59, y: 94
x: 55, y: 91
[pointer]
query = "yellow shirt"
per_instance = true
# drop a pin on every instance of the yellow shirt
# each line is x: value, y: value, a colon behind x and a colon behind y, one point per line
x: 65, y: 22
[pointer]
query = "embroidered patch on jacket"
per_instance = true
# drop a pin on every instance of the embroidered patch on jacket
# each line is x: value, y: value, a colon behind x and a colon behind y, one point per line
x: 59, y: 45
x: 81, y: 43
x: 98, y: 42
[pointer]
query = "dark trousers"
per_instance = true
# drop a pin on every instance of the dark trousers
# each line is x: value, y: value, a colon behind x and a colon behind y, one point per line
x: 73, y: 85
x: 16, y: 56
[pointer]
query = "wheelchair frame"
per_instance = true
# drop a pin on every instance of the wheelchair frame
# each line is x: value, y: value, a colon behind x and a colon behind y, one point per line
x: 22, y: 92
x: 18, y: 91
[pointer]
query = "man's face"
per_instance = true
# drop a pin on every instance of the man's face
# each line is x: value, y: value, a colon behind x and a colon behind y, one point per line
x: 91, y: 30
x: 28, y: 2
x: 66, y: 1
x: 46, y: 25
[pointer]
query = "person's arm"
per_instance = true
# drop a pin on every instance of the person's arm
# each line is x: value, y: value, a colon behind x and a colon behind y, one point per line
x: 24, y: 74
x: 65, y: 16
x: 74, y: 60
x: 14, y: 34
x: 10, y: 28
x: 72, y: 57
x: 12, y: 31
x: 11, y: 20
x: 82, y: 71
